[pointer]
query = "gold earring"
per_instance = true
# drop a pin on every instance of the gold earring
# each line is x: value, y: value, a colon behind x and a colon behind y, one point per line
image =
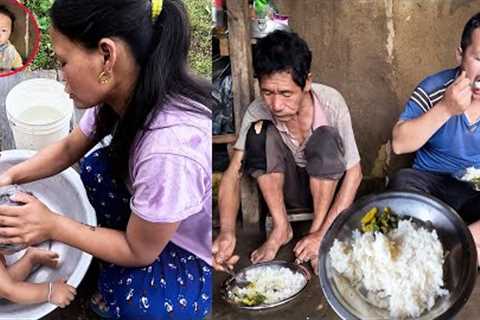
x: 103, y: 78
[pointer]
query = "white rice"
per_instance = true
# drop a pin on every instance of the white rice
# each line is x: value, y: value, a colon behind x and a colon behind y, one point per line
x: 406, y: 278
x: 275, y: 283
x: 471, y: 173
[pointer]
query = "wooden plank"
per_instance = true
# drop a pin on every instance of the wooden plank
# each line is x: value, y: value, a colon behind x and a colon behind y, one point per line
x: 249, y: 197
x: 224, y: 49
x: 301, y: 216
x: 224, y: 138
x: 243, y: 94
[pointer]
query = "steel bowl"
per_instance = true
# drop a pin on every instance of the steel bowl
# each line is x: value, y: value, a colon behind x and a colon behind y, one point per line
x: 460, y: 267
x: 231, y: 284
x: 64, y: 194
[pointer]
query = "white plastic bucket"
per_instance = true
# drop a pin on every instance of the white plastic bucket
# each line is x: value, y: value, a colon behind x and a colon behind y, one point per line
x: 36, y: 131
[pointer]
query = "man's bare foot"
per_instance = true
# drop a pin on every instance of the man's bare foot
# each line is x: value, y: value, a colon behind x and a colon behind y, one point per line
x: 279, y: 236
x: 43, y: 257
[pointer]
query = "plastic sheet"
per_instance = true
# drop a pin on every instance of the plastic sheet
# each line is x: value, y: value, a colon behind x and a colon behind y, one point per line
x: 222, y: 92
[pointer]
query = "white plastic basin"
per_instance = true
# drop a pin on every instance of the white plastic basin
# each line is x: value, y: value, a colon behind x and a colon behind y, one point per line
x: 65, y: 194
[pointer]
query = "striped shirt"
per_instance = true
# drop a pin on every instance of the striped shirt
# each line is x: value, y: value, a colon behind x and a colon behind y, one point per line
x: 432, y: 90
x: 453, y: 147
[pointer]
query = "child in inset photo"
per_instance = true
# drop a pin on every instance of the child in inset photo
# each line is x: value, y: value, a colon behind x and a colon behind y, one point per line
x: 10, y: 59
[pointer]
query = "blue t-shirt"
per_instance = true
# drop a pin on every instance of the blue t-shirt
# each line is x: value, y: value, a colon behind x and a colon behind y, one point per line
x: 456, y: 145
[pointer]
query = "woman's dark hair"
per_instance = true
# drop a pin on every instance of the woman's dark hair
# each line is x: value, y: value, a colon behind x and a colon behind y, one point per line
x: 8, y: 13
x: 470, y: 26
x: 283, y: 51
x: 160, y: 48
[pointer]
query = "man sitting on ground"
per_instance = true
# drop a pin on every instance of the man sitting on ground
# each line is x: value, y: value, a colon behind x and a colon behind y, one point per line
x: 297, y: 141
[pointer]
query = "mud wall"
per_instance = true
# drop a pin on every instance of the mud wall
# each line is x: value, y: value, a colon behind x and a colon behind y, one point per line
x: 375, y: 52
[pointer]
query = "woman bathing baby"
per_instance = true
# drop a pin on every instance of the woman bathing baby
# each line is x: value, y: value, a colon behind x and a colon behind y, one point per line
x: 151, y: 186
x: 12, y: 277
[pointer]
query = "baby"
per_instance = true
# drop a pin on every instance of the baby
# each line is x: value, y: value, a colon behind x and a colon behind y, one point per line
x: 12, y: 284
x: 9, y: 57
x: 15, y: 289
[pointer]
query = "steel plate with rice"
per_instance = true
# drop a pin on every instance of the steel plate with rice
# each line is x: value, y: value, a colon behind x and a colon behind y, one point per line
x: 422, y: 220
x: 271, y: 284
x: 470, y: 175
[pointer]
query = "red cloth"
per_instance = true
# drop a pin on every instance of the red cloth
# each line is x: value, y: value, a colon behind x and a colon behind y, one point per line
x: 218, y: 3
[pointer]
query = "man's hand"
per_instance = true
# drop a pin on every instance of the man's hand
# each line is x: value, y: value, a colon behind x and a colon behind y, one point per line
x: 458, y: 95
x: 222, y: 249
x: 307, y: 249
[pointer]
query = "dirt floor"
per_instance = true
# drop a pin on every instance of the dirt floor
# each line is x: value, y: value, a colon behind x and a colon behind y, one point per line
x: 311, y: 304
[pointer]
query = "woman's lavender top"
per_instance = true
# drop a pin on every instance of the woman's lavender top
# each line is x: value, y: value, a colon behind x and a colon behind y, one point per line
x: 170, y: 173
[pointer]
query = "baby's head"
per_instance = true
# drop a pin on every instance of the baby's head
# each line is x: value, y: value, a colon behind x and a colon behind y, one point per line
x: 7, y: 20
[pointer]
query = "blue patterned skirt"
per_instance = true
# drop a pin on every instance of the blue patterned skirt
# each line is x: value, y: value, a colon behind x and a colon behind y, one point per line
x: 176, y: 286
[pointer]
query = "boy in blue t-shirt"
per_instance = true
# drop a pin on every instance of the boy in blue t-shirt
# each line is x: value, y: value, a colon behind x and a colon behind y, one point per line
x: 441, y: 124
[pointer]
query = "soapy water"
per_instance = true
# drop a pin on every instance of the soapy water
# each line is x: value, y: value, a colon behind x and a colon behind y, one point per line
x: 40, y: 115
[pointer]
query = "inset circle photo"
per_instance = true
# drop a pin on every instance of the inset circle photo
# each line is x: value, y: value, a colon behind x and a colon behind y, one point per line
x: 19, y: 37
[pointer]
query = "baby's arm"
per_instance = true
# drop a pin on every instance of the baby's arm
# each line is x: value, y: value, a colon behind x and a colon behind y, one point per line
x: 28, y: 293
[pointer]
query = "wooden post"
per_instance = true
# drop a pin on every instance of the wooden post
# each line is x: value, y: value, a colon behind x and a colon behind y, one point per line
x: 240, y: 57
x: 243, y: 94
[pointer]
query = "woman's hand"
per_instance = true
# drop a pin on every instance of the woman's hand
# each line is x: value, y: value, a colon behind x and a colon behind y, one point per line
x: 28, y: 224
